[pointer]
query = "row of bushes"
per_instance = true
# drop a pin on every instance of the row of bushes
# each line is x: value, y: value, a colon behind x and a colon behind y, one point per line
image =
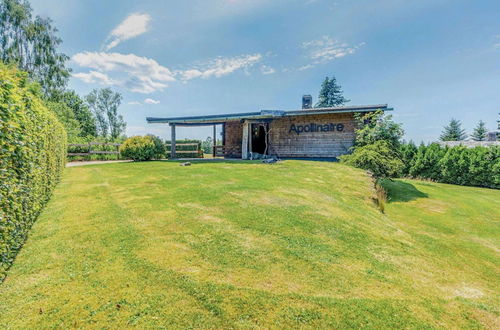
x: 141, y: 148
x: 32, y: 157
x: 479, y: 166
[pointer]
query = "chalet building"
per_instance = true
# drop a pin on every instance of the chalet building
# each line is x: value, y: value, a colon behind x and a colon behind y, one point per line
x: 306, y: 133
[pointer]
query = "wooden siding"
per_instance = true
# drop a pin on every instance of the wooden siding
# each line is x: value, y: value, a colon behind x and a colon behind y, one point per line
x: 286, y: 143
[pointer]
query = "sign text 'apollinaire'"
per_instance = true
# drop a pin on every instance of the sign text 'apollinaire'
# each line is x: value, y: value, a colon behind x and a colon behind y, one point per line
x: 316, y: 128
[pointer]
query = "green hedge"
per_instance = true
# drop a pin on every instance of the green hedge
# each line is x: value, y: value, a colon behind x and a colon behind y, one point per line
x: 195, y: 154
x: 479, y: 166
x: 32, y: 157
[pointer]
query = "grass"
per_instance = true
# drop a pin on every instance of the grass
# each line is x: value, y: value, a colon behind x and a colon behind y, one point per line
x: 244, y: 245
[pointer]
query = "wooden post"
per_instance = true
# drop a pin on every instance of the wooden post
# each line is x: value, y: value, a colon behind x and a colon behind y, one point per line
x: 245, y: 139
x: 215, y: 140
x: 172, y: 141
x: 224, y: 140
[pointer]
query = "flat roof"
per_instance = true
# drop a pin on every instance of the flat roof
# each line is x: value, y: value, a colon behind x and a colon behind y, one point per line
x: 263, y: 114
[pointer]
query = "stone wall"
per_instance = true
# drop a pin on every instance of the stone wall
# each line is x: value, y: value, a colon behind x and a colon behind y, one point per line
x: 470, y: 144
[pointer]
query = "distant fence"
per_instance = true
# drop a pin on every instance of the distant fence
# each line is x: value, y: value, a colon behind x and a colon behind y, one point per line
x: 108, y: 150
x: 185, y: 149
x: 90, y: 148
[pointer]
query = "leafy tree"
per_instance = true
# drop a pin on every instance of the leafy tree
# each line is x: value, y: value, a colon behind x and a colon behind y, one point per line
x: 80, y: 109
x: 67, y: 118
x: 331, y: 94
x: 376, y: 126
x: 207, y: 145
x: 453, y: 131
x: 104, y: 104
x: 380, y: 158
x: 31, y: 44
x: 479, y: 133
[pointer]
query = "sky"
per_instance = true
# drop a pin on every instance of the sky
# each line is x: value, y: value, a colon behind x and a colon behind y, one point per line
x: 431, y: 60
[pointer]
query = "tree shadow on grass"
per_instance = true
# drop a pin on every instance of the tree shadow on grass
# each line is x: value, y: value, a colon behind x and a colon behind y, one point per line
x: 399, y: 191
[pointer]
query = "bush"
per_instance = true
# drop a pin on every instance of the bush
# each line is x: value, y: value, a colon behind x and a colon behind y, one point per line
x: 32, y: 157
x: 141, y: 148
x: 479, y: 166
x: 159, y: 150
x: 408, y: 151
x: 426, y: 162
x: 379, y: 158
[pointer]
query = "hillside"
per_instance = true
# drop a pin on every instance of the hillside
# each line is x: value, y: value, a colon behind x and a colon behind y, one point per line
x: 241, y: 244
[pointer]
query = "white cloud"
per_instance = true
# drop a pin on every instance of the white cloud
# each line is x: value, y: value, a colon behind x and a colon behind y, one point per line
x: 151, y: 101
x: 94, y: 77
x: 145, y: 75
x: 326, y: 49
x: 133, y: 26
x: 267, y: 70
x: 220, y: 66
x: 135, y: 73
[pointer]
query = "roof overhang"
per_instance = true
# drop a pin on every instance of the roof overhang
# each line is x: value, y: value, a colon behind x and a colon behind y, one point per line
x: 261, y: 115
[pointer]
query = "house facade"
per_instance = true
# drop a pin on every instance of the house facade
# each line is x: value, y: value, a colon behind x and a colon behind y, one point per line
x: 305, y: 133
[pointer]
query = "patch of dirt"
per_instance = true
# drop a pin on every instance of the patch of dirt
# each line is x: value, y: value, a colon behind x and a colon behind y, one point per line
x: 468, y: 292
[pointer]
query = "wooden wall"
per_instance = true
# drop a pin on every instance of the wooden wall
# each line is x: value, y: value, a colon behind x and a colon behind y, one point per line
x: 284, y: 143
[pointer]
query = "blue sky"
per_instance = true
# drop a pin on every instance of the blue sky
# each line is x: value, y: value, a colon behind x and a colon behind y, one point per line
x: 429, y: 59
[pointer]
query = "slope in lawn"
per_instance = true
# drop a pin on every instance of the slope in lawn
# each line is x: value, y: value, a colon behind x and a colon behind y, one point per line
x: 245, y: 244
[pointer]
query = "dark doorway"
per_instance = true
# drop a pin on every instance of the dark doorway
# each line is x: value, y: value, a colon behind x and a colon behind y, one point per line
x: 259, y: 137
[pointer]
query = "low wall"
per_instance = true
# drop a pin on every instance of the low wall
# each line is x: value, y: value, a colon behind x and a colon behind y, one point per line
x: 470, y: 144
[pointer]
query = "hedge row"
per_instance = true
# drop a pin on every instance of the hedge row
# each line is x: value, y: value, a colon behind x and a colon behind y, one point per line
x: 32, y: 157
x: 479, y: 166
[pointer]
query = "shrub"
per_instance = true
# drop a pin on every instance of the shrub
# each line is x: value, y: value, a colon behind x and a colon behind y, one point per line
x: 141, y: 148
x: 479, y: 166
x: 159, y: 150
x: 32, y: 157
x: 408, y: 152
x: 379, y: 158
x: 426, y: 162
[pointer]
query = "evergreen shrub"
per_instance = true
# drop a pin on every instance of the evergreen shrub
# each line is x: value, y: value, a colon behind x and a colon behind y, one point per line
x: 32, y: 157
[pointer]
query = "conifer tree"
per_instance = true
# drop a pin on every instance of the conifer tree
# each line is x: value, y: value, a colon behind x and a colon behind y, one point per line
x: 331, y: 94
x: 453, y: 131
x: 480, y: 131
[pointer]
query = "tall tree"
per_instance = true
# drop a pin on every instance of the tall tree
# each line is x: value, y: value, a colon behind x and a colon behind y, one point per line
x: 453, y: 131
x: 104, y: 103
x: 80, y: 109
x: 479, y: 133
x: 67, y: 117
x: 31, y: 44
x: 331, y: 94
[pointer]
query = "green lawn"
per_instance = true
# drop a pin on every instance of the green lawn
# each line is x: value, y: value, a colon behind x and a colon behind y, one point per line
x: 243, y: 245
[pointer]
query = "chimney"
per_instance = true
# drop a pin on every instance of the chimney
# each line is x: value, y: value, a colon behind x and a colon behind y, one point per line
x: 307, y: 101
